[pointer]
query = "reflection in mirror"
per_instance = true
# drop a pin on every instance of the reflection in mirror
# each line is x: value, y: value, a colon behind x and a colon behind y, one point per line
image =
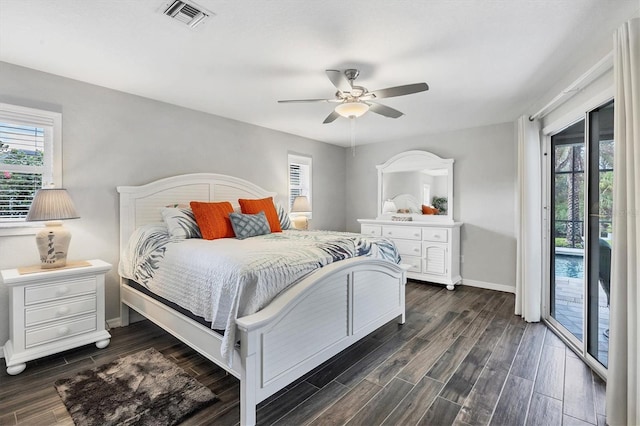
x: 418, y: 184
x: 411, y: 190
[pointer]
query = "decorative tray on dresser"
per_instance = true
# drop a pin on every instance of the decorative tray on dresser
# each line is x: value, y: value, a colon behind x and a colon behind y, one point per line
x: 54, y: 310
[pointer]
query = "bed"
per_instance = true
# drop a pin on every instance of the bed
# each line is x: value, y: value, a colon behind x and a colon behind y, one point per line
x: 328, y: 309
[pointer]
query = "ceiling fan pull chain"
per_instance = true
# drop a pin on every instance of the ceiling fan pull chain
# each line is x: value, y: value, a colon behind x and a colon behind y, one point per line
x: 352, y: 121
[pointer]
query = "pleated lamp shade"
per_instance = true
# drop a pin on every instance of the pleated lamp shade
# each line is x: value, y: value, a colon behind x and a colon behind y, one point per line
x: 52, y: 204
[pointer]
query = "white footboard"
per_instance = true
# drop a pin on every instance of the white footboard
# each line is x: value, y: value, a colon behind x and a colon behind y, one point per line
x: 313, y: 321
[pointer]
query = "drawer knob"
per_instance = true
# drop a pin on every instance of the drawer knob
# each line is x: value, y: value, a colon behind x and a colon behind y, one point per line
x: 63, y: 331
x: 389, y: 233
x: 64, y: 310
x: 436, y: 236
x: 417, y: 250
x: 63, y: 290
x: 416, y: 235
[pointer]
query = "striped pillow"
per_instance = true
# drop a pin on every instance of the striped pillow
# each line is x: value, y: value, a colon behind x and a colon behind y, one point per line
x: 213, y: 219
x: 283, y: 217
x: 181, y: 223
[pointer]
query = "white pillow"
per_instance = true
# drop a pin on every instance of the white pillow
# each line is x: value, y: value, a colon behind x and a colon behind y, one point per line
x: 283, y: 217
x: 181, y: 222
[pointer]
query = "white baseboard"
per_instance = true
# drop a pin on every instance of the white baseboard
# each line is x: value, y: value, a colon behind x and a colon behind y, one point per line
x: 114, y: 322
x: 489, y: 286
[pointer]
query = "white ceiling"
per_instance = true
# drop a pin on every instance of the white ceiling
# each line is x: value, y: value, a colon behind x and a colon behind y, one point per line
x: 485, y: 61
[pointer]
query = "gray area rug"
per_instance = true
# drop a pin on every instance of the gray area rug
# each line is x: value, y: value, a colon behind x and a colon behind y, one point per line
x: 141, y: 389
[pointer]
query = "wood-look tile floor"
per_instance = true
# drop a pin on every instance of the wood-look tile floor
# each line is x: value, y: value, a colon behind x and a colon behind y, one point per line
x: 461, y: 358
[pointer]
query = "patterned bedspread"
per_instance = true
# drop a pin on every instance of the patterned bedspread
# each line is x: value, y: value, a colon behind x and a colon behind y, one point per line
x: 225, y: 279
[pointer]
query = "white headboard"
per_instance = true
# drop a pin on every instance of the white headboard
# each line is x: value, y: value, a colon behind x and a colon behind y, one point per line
x: 140, y: 205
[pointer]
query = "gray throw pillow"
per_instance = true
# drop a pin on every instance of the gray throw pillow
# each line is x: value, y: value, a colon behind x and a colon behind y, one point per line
x: 249, y: 225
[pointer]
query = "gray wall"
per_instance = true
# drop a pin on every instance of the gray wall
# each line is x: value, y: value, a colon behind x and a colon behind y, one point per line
x: 485, y: 183
x: 112, y: 138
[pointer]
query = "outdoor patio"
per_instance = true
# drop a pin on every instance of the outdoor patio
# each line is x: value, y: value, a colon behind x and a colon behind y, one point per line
x: 569, y: 312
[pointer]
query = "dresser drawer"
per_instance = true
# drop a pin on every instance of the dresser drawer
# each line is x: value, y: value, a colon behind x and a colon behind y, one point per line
x: 404, y: 232
x: 66, y: 288
x: 408, y: 247
x: 415, y: 262
x: 59, y: 330
x: 373, y: 230
x: 435, y: 234
x: 42, y: 313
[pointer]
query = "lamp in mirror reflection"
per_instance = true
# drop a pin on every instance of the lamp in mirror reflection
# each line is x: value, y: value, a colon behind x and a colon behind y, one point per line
x: 389, y: 207
x: 52, y: 205
x: 301, y: 207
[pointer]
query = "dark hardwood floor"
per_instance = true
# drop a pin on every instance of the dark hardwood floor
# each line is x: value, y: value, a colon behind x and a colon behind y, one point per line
x: 462, y: 358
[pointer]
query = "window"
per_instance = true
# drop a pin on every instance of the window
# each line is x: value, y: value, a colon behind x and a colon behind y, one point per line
x: 299, y: 178
x: 29, y: 158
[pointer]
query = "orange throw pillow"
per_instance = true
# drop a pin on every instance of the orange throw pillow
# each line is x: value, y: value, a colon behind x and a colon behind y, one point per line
x: 429, y: 210
x: 263, y: 205
x: 213, y: 219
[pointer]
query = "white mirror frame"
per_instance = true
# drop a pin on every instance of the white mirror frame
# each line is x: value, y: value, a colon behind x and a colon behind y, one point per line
x: 410, y: 161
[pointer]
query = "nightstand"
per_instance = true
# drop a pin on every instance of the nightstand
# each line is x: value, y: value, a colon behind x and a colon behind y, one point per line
x: 54, y: 310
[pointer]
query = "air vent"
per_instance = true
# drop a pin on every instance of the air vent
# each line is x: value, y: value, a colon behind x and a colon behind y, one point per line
x: 188, y: 13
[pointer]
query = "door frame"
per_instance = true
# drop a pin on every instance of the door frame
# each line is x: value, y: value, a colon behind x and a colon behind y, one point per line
x: 576, y: 114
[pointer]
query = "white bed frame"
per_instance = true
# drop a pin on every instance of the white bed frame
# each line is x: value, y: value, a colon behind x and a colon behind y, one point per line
x: 304, y: 326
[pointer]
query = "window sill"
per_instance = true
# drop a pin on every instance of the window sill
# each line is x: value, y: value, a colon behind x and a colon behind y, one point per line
x: 8, y: 229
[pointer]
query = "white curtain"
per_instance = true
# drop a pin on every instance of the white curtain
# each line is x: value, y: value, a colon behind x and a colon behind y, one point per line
x: 529, y: 216
x: 623, y: 385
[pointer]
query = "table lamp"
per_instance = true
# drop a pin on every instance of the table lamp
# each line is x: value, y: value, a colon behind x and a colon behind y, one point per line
x: 52, y: 205
x: 301, y: 205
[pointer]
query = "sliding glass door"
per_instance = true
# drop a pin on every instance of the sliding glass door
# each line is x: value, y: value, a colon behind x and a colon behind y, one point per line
x: 581, y: 177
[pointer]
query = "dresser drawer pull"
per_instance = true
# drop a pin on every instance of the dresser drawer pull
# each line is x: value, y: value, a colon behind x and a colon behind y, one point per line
x: 62, y: 290
x: 416, y: 235
x: 64, y: 310
x: 63, y: 331
x: 417, y: 250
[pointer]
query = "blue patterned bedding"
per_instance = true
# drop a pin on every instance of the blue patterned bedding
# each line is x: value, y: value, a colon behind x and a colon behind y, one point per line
x: 225, y: 279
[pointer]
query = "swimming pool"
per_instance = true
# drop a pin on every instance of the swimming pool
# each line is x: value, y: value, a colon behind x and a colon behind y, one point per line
x: 569, y: 266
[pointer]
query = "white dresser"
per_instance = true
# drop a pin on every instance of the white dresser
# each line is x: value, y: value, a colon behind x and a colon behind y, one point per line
x: 432, y: 249
x: 54, y: 310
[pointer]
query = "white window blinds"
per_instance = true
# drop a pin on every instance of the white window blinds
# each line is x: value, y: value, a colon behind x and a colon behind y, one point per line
x: 299, y: 177
x: 26, y: 157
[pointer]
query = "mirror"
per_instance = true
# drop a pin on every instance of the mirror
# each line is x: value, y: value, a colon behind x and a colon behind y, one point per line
x: 416, y: 185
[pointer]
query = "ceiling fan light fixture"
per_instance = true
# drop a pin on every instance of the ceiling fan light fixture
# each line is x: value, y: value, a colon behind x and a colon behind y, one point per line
x: 352, y: 109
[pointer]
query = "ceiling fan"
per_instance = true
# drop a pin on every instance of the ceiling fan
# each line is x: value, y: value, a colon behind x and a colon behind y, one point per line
x: 353, y: 101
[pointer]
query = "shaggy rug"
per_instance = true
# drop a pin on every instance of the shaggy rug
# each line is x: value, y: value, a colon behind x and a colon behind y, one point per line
x: 142, y: 389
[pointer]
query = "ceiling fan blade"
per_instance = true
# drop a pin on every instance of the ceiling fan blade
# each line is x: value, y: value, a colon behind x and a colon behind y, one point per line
x: 384, y: 110
x: 287, y: 101
x: 331, y: 117
x: 408, y: 89
x: 339, y: 80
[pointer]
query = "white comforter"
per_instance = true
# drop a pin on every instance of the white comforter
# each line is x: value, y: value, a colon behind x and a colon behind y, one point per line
x: 225, y: 279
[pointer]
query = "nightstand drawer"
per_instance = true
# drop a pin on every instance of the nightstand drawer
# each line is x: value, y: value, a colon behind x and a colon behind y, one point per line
x: 435, y: 234
x: 60, y: 330
x: 66, y: 288
x: 40, y: 314
x: 404, y: 232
